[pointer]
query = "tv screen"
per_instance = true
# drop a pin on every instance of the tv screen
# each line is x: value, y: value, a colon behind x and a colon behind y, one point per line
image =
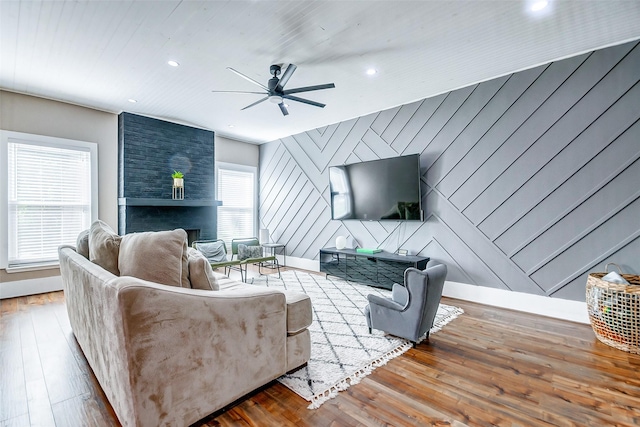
x: 385, y: 189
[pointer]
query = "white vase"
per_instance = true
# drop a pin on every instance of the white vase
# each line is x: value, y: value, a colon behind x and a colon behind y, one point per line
x: 341, y: 242
x: 178, y: 182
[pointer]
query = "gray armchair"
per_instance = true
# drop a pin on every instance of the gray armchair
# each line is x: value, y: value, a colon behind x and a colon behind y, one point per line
x: 412, y: 309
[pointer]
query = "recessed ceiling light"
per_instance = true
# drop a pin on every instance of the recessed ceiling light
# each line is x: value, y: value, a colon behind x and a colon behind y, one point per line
x: 131, y: 100
x: 231, y: 126
x: 371, y: 71
x: 539, y: 5
x: 173, y: 63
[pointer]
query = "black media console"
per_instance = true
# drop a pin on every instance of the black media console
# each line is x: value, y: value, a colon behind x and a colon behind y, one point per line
x: 381, y: 269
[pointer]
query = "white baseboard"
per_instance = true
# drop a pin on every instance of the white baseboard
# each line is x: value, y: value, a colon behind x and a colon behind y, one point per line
x: 21, y: 288
x: 303, y: 263
x: 575, y: 311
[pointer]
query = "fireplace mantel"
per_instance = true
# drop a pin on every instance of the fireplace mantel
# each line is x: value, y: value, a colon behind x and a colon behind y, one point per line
x: 135, y: 201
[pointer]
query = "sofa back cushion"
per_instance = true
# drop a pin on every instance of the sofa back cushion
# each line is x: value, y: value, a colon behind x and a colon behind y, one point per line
x: 201, y: 274
x: 104, y: 245
x: 82, y: 244
x: 156, y: 256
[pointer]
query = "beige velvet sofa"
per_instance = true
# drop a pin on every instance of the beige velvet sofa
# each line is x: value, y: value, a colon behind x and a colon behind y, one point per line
x: 169, y: 355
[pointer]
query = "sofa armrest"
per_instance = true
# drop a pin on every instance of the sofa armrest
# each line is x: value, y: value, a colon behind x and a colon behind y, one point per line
x: 191, y: 352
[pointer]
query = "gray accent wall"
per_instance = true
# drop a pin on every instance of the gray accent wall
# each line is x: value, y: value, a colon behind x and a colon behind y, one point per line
x: 530, y: 181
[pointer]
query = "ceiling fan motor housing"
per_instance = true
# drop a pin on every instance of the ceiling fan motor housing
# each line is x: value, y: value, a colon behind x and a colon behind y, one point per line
x: 273, y: 82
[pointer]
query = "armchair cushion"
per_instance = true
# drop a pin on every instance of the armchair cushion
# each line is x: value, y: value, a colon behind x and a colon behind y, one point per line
x: 156, y: 256
x: 246, y: 252
x: 213, y: 251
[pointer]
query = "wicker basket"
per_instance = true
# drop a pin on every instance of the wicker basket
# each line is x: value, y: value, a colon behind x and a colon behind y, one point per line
x: 614, y: 311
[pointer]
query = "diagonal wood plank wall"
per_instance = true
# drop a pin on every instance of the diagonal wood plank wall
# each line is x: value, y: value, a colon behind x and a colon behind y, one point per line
x: 529, y: 181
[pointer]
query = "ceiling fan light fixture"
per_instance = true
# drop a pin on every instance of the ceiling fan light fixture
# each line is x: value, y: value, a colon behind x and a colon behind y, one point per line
x: 275, y: 99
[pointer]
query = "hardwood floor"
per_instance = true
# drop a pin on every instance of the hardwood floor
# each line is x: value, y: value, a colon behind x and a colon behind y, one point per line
x: 489, y: 367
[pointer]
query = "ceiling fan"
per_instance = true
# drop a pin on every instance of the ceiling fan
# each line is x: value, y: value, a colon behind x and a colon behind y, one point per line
x: 275, y: 91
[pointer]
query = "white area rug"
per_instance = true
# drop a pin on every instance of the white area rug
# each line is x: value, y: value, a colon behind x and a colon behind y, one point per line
x: 342, y: 350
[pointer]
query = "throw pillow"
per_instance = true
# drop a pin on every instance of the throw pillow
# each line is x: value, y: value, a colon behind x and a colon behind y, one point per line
x: 104, y: 245
x: 157, y: 256
x: 200, y: 272
x: 82, y: 244
x: 246, y: 252
x: 213, y: 251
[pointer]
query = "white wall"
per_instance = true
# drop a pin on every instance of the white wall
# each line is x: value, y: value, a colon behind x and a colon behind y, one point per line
x: 238, y: 152
x: 28, y: 114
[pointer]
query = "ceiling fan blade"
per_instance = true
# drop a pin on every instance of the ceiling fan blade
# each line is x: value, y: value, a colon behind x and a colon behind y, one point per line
x: 255, y: 103
x: 283, y: 108
x: 248, y: 78
x: 304, y: 101
x: 237, y: 91
x: 285, y: 77
x: 309, y: 88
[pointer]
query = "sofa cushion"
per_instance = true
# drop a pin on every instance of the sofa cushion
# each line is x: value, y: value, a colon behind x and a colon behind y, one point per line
x: 82, y: 243
x: 156, y: 256
x: 104, y: 245
x: 246, y: 252
x: 201, y: 274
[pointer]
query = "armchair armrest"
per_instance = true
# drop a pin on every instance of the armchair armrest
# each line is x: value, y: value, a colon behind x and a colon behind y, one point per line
x: 384, y: 302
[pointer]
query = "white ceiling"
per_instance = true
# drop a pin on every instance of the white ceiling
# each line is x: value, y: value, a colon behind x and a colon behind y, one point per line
x: 101, y: 53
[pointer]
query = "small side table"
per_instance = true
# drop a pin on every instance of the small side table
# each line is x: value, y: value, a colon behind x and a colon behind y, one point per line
x: 276, y: 249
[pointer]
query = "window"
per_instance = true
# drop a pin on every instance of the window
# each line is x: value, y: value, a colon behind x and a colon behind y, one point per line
x: 236, y: 189
x: 51, y: 196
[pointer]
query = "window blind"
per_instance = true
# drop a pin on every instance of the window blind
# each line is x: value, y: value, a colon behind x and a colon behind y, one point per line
x: 236, y: 216
x: 49, y: 200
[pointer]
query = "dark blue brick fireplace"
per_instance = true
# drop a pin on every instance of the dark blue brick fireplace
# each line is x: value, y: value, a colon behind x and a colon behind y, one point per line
x: 149, y: 150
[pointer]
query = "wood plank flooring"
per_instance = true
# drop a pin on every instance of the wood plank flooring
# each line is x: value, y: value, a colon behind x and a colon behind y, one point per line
x: 489, y: 367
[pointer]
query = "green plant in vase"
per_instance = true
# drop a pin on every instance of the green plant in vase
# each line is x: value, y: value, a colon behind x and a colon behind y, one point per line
x: 178, y: 185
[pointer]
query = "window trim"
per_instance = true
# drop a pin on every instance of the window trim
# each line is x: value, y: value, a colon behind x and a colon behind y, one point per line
x: 28, y: 138
x: 256, y: 199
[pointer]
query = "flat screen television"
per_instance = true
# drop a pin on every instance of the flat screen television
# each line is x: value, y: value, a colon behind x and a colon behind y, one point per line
x: 385, y: 189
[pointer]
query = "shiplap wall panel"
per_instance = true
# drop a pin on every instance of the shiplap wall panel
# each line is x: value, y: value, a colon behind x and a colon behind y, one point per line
x: 460, y: 119
x: 609, y: 199
x: 529, y: 181
x: 568, y: 195
x: 383, y: 119
x: 438, y: 120
x: 399, y: 122
x: 501, y: 130
x: 573, y: 123
x: 595, y: 141
x: 559, y: 104
x: 416, y: 122
x: 481, y: 124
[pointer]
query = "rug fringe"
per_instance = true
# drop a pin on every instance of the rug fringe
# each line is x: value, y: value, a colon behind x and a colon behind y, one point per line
x: 355, y: 378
